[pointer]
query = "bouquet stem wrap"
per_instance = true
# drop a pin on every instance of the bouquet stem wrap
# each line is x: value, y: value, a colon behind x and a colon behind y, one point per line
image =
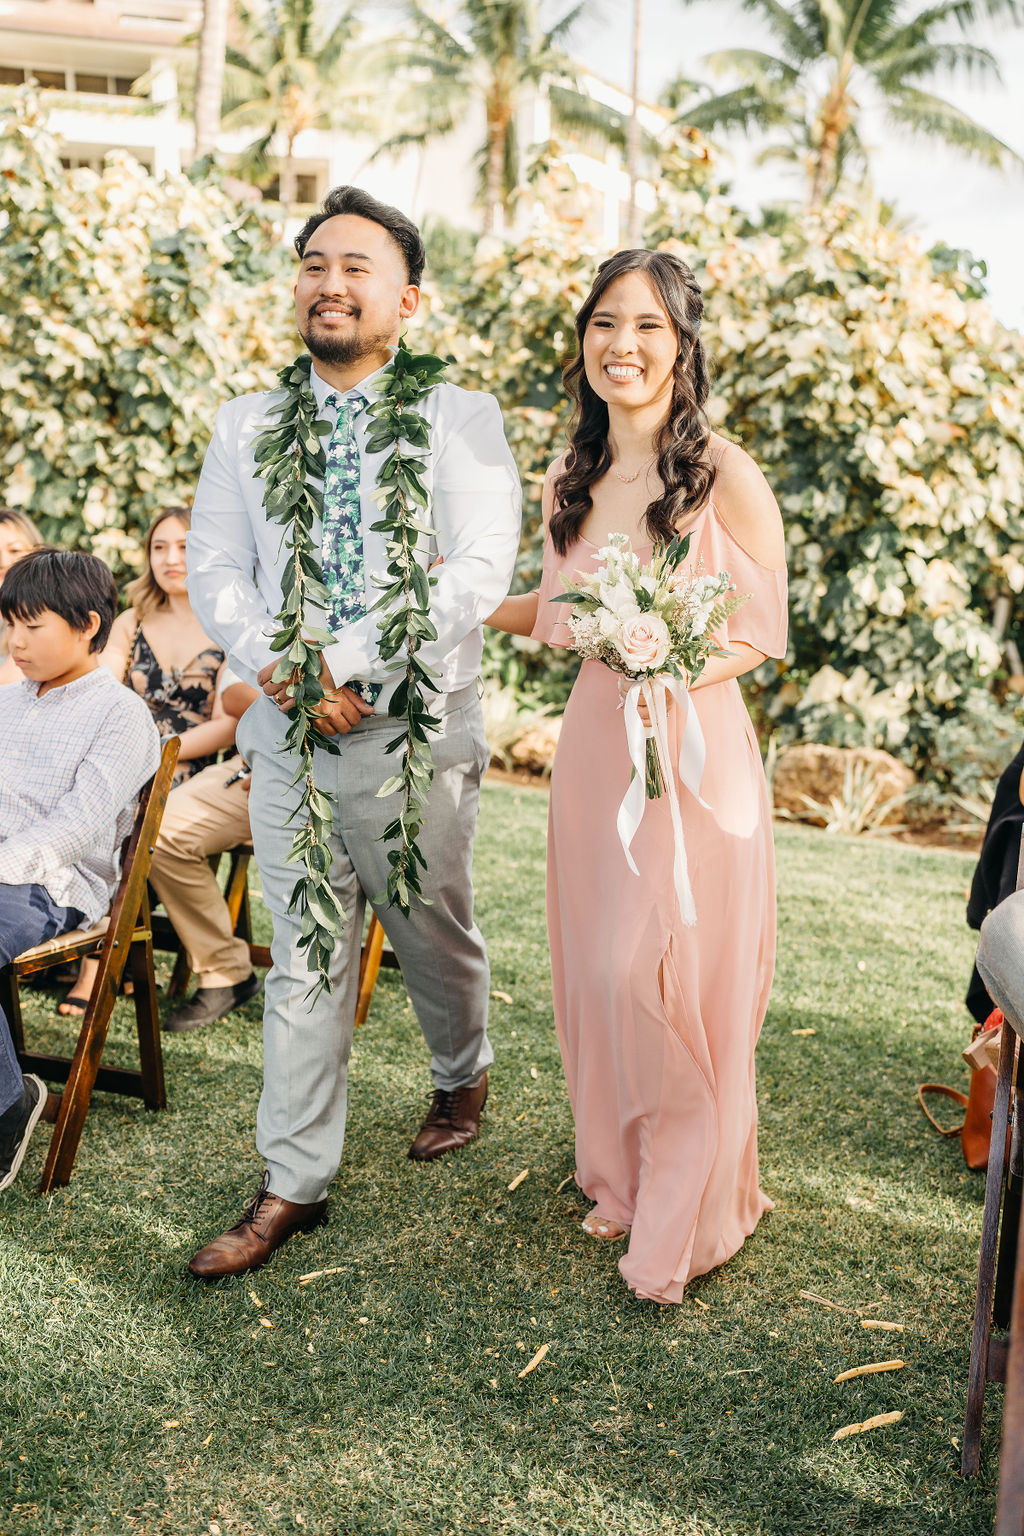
x: 692, y: 753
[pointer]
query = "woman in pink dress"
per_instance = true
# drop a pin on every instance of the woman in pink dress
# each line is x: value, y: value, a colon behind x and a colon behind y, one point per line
x: 658, y: 1021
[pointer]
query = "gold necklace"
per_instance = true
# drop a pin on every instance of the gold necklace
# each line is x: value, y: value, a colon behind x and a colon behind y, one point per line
x: 628, y: 479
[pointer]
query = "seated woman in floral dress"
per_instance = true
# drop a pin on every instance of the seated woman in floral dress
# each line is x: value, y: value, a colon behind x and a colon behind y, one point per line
x: 158, y: 648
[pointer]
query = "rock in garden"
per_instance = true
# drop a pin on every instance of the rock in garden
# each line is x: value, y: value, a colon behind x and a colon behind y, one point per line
x: 819, y: 773
x: 535, y: 749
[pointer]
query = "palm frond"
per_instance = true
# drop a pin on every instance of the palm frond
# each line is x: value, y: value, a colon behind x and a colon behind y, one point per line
x: 800, y: 34
x: 894, y: 67
x: 559, y: 33
x: 745, y: 109
x: 937, y: 19
x: 681, y: 90
x: 932, y: 117
x: 577, y: 113
x: 751, y: 65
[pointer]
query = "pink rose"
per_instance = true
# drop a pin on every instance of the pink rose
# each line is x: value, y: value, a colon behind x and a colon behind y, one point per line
x: 643, y: 642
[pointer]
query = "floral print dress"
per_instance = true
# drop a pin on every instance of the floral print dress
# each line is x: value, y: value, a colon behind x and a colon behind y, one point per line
x: 177, y: 699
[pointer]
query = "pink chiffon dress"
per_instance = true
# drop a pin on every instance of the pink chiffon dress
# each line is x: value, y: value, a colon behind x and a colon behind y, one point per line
x: 657, y: 1022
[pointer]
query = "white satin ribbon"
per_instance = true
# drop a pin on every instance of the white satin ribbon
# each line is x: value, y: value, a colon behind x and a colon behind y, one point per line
x: 692, y: 753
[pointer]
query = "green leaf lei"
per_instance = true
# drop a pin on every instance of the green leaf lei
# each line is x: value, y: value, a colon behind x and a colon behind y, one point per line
x: 289, y: 456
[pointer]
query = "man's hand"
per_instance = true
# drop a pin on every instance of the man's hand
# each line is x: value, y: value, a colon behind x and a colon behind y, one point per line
x: 339, y: 711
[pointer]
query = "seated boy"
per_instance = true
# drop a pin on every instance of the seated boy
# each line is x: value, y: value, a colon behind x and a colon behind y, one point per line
x: 75, y: 748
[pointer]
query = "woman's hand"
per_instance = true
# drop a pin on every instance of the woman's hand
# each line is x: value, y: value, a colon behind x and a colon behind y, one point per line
x: 626, y: 683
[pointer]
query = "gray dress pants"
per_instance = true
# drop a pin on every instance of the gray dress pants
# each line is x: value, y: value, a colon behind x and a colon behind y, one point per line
x: 1000, y: 957
x: 300, y: 1125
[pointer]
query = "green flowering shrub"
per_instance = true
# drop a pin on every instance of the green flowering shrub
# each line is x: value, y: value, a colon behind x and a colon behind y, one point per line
x: 886, y: 408
x: 129, y: 310
x: 883, y: 400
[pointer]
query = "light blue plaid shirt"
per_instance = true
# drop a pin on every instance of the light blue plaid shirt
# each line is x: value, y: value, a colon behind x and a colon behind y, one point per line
x: 71, y: 766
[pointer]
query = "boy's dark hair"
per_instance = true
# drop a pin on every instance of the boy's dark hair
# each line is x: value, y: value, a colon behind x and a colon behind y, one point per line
x: 355, y: 201
x: 68, y: 583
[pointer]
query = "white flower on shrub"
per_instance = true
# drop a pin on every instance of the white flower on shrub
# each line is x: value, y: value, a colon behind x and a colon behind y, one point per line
x: 824, y: 687
x: 891, y: 601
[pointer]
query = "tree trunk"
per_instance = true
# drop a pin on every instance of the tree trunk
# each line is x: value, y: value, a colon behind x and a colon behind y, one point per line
x: 633, y: 134
x: 494, y: 178
x: 286, y: 190
x: 213, y: 39
x: 834, y: 119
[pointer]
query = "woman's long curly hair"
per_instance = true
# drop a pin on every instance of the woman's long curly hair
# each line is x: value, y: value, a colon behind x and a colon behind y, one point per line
x: 682, y: 446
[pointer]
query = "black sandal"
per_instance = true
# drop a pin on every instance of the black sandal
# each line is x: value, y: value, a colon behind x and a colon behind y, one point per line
x: 73, y: 1002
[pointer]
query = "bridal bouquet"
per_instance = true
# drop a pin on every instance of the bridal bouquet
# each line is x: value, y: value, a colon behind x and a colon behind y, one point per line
x: 655, y: 624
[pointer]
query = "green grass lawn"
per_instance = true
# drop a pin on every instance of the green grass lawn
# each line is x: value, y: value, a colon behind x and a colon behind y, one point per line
x: 385, y: 1397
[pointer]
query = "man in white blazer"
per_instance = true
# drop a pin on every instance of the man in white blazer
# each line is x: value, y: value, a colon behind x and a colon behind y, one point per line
x: 358, y: 281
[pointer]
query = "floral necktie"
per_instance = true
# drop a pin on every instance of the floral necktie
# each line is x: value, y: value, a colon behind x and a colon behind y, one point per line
x: 342, y: 545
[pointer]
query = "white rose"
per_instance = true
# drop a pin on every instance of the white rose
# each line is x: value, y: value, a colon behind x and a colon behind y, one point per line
x: 619, y: 598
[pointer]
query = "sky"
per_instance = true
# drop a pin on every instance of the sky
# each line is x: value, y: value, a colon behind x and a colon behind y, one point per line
x: 944, y: 195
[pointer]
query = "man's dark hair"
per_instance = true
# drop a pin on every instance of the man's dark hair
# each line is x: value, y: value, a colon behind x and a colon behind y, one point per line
x: 355, y: 201
x: 68, y: 583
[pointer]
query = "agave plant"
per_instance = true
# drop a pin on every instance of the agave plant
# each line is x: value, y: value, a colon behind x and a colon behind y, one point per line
x: 859, y: 809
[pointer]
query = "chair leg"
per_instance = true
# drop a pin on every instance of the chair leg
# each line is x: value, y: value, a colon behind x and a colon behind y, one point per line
x: 180, y: 976
x: 10, y: 1002
x: 147, y: 1024
x: 369, y: 966
x: 67, y: 1133
x: 1002, y: 1300
x: 236, y: 896
x: 977, y: 1373
x: 1010, y: 1513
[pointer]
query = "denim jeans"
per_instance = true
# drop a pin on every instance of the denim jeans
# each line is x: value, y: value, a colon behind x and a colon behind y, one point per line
x: 28, y: 915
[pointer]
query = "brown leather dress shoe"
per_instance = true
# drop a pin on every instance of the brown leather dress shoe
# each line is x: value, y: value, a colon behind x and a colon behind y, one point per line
x: 453, y: 1119
x: 266, y: 1223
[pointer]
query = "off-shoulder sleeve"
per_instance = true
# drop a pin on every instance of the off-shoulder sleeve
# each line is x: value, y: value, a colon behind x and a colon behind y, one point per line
x: 763, y: 621
x: 551, y: 627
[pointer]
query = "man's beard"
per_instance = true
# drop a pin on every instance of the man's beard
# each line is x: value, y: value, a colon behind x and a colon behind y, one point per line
x: 342, y: 351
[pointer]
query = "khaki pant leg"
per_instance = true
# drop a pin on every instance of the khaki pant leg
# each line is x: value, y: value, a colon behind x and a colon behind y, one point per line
x: 203, y: 817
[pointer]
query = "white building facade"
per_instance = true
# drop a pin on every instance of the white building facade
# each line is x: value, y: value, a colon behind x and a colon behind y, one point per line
x: 85, y: 56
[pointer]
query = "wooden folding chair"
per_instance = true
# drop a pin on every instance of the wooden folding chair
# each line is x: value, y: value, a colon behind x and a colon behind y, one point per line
x: 1010, y: 1509
x: 998, y: 1300
x: 990, y: 1342
x: 236, y: 897
x: 123, y: 939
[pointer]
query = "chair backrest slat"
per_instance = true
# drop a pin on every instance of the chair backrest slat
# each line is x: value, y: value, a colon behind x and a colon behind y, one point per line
x: 138, y: 853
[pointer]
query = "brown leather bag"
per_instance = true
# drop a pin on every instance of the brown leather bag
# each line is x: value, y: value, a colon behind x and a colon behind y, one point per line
x: 975, y: 1130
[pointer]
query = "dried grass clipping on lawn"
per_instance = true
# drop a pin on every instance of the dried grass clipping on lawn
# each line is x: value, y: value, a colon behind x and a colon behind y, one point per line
x: 870, y: 1370
x: 878, y: 1422
x: 531, y: 1365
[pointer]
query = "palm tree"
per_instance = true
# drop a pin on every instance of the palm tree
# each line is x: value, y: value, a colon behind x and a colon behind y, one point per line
x: 496, y: 55
x: 213, y: 38
x: 834, y: 54
x: 633, y: 132
x: 289, y: 75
